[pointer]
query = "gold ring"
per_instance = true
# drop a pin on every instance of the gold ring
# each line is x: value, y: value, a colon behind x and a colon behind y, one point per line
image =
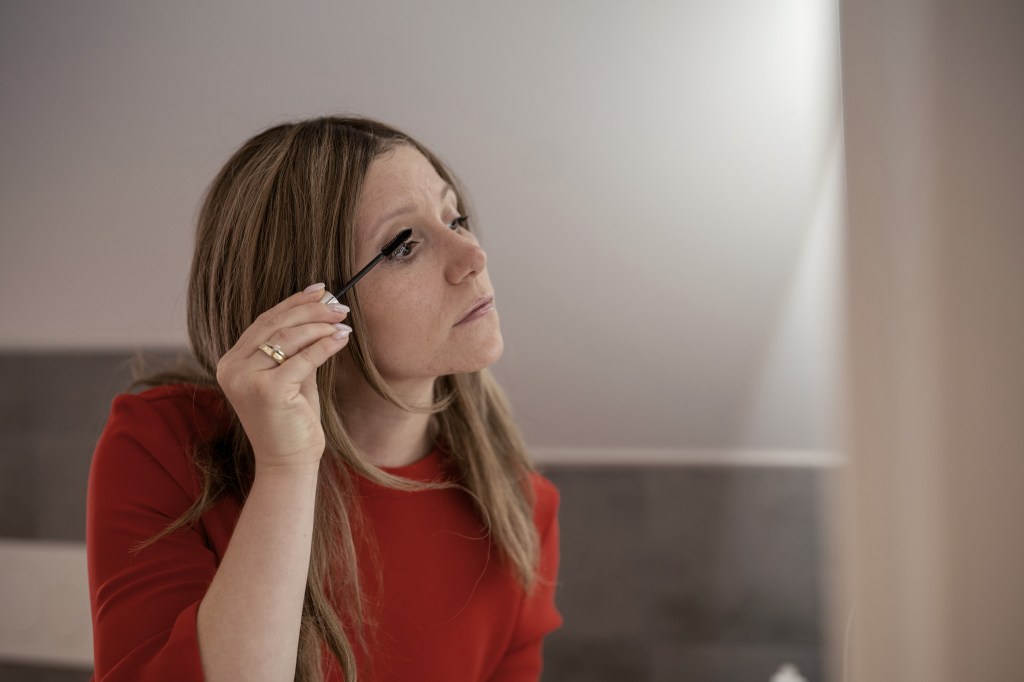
x: 274, y: 351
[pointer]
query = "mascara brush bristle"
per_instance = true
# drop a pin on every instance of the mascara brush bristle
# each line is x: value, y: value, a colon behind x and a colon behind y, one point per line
x: 397, y: 241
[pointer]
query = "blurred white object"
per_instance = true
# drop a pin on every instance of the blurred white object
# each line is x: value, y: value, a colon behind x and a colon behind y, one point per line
x: 44, y: 604
x: 788, y: 673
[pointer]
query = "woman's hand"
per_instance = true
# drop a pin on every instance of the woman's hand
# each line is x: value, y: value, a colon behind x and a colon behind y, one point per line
x: 278, y: 404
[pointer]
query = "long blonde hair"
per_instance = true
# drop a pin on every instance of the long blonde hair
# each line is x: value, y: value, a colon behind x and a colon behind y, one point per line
x: 280, y: 215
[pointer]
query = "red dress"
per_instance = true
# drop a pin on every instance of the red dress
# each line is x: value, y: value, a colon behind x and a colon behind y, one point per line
x: 449, y: 610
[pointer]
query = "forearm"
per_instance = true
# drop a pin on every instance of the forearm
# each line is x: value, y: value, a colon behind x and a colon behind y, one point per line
x: 248, y: 622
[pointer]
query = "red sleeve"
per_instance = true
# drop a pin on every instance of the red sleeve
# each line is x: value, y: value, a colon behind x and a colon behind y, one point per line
x: 143, y: 605
x: 523, y: 661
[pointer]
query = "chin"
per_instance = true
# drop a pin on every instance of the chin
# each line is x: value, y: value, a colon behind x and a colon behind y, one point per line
x: 482, y: 357
x: 497, y: 350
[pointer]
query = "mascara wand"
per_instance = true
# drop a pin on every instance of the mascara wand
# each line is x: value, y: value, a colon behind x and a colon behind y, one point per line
x: 388, y: 249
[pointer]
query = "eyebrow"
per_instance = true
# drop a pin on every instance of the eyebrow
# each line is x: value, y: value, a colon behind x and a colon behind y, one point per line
x: 406, y: 208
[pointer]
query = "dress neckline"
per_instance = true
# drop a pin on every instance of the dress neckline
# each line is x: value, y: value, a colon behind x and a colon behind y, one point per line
x: 426, y: 468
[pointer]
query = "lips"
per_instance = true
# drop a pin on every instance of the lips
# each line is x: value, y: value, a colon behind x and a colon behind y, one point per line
x: 479, y: 304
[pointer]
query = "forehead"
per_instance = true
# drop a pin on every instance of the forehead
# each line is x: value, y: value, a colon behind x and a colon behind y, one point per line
x: 400, y: 176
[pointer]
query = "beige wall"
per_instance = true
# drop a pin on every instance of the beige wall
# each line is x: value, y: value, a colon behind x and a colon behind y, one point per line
x: 933, y: 103
x: 659, y: 186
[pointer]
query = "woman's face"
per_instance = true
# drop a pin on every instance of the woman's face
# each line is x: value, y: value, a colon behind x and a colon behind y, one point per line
x: 413, y: 305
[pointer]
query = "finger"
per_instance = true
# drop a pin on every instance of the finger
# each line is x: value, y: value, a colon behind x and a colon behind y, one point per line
x: 245, y: 339
x: 310, y: 317
x: 300, y: 308
x: 301, y: 365
x: 292, y: 340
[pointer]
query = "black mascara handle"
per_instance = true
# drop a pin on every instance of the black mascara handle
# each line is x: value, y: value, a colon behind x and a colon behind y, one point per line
x: 359, y: 275
x: 388, y: 249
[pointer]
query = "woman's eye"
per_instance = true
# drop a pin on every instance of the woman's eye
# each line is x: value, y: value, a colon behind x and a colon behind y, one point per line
x: 460, y: 221
x: 403, y: 251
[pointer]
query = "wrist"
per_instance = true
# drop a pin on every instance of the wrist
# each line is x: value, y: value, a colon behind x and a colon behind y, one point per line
x: 289, y: 471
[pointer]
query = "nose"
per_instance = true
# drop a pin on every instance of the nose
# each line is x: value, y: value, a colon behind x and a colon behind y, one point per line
x: 467, y: 260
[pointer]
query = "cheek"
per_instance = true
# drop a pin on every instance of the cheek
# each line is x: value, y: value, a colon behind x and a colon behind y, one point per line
x: 401, y: 318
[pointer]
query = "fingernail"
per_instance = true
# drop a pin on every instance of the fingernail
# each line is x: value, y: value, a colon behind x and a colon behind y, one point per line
x: 313, y: 287
x: 342, y: 333
x: 338, y: 307
x: 342, y: 327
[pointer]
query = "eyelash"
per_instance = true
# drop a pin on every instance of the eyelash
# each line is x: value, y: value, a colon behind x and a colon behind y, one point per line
x: 459, y: 221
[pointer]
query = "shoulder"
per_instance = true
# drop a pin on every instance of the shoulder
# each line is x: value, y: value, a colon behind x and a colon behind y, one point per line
x: 154, y: 431
x: 185, y: 411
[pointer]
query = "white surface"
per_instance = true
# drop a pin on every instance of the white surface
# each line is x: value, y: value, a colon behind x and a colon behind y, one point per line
x: 788, y: 672
x: 44, y: 612
x: 667, y: 457
x: 646, y: 177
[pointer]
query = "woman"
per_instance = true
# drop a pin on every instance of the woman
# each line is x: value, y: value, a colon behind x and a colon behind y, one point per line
x: 354, y: 503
